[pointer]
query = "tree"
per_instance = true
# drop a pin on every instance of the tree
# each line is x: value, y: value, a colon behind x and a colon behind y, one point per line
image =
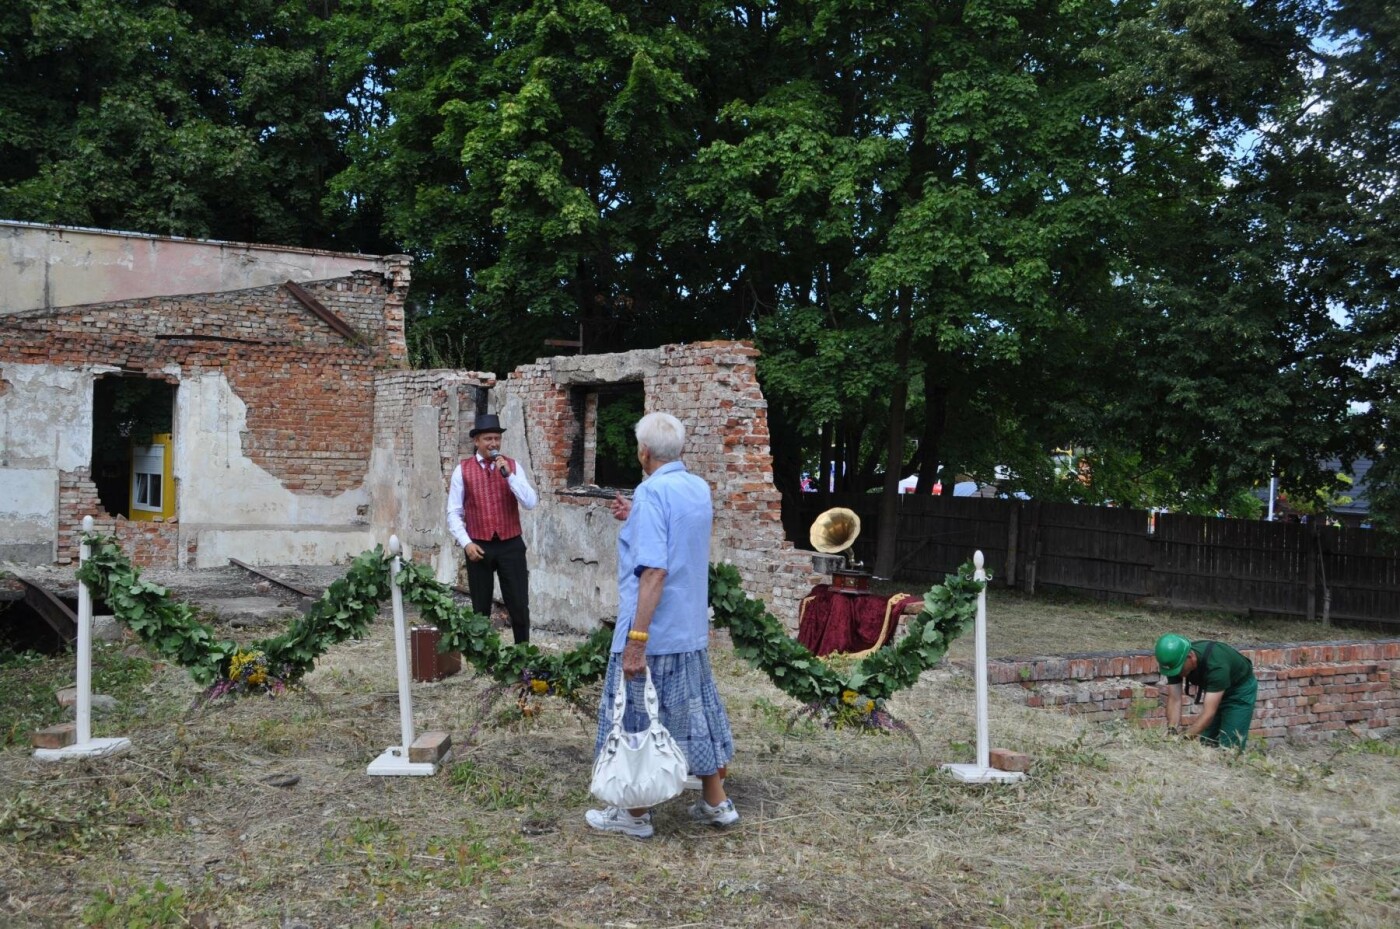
x: 1347, y: 143
x: 1031, y: 193
x: 1025, y: 225
x: 529, y: 167
x: 204, y: 119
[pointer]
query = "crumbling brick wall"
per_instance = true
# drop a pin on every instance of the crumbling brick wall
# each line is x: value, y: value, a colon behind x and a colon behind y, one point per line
x: 710, y: 386
x: 1306, y: 692
x: 309, y: 391
x: 420, y: 420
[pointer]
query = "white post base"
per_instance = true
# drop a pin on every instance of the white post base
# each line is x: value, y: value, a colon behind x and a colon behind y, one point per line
x: 976, y: 774
x: 395, y: 761
x: 97, y: 748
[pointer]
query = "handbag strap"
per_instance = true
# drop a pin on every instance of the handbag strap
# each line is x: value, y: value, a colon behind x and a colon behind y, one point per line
x: 653, y: 702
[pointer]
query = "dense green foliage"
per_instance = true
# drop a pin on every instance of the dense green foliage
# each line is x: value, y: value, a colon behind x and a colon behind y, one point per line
x: 964, y: 235
x: 222, y: 118
x: 1158, y: 234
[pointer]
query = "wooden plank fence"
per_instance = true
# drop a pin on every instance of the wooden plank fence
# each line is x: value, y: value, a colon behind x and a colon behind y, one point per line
x: 1289, y: 569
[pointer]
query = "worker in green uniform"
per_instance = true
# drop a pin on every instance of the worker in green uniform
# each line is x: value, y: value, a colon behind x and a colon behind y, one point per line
x: 1224, y: 683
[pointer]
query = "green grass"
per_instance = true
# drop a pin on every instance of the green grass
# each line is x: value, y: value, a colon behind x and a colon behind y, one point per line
x: 1020, y: 626
x: 488, y: 790
x: 146, y: 905
x: 29, y: 683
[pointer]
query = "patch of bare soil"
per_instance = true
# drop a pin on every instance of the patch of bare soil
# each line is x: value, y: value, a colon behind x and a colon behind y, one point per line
x: 259, y: 813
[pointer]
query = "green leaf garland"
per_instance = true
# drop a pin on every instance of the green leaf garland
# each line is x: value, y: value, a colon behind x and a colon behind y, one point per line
x: 346, y: 609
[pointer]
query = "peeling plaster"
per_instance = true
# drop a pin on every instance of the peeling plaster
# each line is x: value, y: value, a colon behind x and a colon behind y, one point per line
x: 28, y: 514
x: 46, y: 417
x: 234, y: 507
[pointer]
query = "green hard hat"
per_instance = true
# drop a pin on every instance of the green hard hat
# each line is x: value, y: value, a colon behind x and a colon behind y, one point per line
x: 1172, y: 650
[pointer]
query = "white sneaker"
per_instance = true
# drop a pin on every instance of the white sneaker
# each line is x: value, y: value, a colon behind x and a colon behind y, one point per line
x: 616, y: 819
x: 722, y: 815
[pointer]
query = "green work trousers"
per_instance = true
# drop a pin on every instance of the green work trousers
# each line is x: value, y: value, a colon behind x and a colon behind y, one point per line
x: 1230, y: 727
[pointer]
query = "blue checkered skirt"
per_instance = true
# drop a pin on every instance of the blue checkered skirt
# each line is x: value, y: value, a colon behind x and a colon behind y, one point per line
x: 690, y: 708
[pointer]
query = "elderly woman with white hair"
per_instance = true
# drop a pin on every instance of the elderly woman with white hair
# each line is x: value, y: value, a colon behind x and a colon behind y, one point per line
x: 663, y: 561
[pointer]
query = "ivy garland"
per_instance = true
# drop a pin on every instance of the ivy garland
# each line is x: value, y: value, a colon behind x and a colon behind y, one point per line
x: 173, y: 631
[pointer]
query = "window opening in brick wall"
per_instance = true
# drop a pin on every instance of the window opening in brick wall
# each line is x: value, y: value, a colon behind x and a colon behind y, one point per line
x: 131, y: 459
x: 605, y: 453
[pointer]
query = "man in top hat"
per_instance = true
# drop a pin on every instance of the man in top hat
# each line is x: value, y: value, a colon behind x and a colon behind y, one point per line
x: 483, y: 513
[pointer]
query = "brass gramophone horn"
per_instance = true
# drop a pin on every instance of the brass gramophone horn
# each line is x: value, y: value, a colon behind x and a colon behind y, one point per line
x: 835, y: 530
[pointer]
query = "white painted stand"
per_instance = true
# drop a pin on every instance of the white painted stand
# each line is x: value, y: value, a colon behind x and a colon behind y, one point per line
x: 982, y: 772
x: 394, y: 760
x: 86, y: 746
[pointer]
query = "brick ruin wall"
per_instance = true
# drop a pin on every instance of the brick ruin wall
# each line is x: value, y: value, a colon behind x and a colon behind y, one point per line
x: 421, y: 418
x: 713, y: 388
x: 1307, y: 692
x: 716, y: 392
x: 307, y: 390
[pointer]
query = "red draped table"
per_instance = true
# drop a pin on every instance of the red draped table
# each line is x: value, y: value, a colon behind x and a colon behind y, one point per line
x: 855, y: 623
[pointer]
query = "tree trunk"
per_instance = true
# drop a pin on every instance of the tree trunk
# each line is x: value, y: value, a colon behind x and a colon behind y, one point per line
x: 894, y: 448
x: 935, y: 419
x: 787, y: 468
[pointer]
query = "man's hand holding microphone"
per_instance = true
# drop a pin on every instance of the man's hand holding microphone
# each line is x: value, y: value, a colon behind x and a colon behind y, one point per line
x: 499, y: 462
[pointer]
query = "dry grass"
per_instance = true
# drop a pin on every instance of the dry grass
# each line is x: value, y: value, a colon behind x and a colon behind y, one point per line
x: 1116, y: 826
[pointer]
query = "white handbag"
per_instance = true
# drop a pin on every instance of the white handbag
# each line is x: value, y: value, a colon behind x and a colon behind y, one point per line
x: 638, y: 769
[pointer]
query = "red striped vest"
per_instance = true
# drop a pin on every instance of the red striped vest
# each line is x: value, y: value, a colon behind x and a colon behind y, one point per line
x: 488, y: 506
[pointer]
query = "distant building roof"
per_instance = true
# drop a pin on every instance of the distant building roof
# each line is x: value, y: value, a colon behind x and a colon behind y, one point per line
x: 1360, y: 504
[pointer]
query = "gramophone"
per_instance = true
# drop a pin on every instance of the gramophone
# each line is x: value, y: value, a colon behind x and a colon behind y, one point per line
x: 832, y: 534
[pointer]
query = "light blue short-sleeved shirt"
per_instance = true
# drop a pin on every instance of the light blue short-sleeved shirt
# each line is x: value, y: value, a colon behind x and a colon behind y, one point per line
x: 669, y: 528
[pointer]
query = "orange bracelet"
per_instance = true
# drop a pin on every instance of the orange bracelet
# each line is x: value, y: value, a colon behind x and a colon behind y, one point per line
x: 636, y: 636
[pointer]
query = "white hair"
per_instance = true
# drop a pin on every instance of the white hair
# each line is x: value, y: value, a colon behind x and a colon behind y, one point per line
x: 662, y: 434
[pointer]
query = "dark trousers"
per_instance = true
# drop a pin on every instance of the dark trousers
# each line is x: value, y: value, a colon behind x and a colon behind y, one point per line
x: 504, y: 558
x: 1230, y: 727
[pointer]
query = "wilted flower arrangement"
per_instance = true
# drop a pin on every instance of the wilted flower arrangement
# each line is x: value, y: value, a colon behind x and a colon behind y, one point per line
x: 856, y: 710
x: 533, y: 685
x: 247, y: 674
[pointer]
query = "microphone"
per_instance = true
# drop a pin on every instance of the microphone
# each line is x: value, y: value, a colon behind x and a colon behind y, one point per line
x: 500, y: 466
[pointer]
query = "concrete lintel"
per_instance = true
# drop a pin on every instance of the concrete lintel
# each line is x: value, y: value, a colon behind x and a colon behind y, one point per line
x: 620, y: 367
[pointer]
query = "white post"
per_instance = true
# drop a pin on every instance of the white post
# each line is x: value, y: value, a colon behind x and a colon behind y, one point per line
x: 85, y: 745
x: 400, y: 646
x: 1273, y: 495
x: 982, y: 771
x: 984, y: 750
x: 395, y: 760
x: 84, y: 644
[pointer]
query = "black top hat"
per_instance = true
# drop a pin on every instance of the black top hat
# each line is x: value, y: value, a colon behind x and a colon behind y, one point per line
x: 487, y: 422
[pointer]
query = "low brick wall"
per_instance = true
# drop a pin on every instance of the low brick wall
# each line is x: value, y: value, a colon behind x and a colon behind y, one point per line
x: 1307, y: 692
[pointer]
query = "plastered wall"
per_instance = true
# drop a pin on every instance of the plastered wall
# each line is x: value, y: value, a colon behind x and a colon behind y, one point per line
x: 49, y: 267
x: 712, y: 387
